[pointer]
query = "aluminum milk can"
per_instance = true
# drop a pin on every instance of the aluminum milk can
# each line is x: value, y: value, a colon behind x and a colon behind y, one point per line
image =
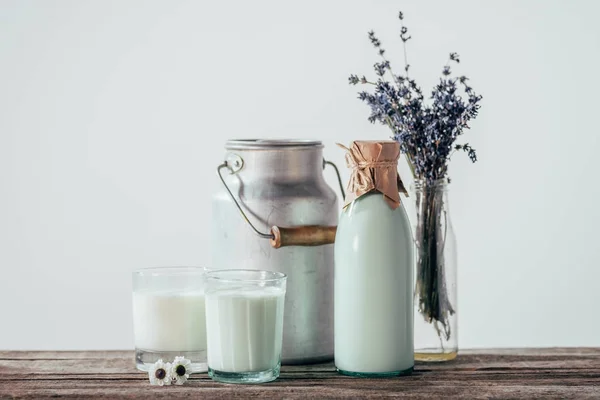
x: 275, y: 212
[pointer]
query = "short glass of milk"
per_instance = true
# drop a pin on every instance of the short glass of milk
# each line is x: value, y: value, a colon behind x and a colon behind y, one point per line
x: 169, y: 316
x: 244, y: 325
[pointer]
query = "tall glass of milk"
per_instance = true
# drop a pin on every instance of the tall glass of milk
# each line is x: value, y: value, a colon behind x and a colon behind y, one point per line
x: 168, y: 316
x: 244, y: 325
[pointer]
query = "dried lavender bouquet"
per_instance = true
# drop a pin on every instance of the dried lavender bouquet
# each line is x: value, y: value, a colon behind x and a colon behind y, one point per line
x: 427, y: 133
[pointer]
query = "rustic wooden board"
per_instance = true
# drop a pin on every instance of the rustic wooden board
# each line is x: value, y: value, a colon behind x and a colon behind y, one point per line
x: 524, y: 373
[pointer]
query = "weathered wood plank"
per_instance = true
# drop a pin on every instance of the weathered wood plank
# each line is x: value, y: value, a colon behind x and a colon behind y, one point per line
x: 299, y: 390
x: 551, y: 373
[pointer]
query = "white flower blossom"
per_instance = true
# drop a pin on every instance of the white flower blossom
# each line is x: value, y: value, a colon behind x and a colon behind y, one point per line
x: 180, y: 370
x: 160, y: 373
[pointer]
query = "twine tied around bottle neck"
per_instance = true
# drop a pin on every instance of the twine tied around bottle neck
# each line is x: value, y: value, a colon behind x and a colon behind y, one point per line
x: 374, y: 168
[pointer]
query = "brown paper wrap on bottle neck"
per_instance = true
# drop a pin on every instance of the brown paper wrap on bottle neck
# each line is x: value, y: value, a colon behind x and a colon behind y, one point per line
x: 374, y: 167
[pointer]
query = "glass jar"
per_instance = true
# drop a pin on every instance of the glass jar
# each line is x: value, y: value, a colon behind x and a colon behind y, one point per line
x: 436, y: 327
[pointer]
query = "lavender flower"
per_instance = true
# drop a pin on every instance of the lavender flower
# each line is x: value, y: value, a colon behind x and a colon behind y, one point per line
x: 468, y: 149
x: 381, y: 68
x: 426, y: 131
x: 404, y: 34
x: 374, y: 41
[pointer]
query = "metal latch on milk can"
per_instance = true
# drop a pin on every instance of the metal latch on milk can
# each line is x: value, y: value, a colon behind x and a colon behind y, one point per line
x: 309, y: 235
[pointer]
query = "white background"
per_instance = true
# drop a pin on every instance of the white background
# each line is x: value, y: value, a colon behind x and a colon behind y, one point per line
x: 113, y: 115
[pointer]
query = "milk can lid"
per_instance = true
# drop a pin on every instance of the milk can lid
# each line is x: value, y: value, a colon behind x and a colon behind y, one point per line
x: 270, y: 144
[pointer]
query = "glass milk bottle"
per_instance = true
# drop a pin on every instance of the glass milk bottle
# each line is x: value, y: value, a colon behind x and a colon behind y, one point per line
x: 373, y: 278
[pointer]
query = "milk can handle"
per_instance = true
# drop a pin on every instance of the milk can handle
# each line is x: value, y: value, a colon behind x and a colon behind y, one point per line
x: 312, y: 235
x: 259, y: 233
x: 339, y: 177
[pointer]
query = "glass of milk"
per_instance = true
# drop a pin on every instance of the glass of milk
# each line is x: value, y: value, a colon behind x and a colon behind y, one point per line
x: 244, y: 325
x: 168, y: 316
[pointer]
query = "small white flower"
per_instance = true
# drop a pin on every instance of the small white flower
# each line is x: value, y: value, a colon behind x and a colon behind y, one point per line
x: 180, y: 370
x: 160, y: 373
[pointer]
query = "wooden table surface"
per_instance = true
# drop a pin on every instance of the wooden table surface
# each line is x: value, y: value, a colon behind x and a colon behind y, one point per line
x: 520, y: 373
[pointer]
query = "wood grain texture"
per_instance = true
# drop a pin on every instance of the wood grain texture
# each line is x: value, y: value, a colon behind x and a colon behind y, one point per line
x: 481, y: 374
